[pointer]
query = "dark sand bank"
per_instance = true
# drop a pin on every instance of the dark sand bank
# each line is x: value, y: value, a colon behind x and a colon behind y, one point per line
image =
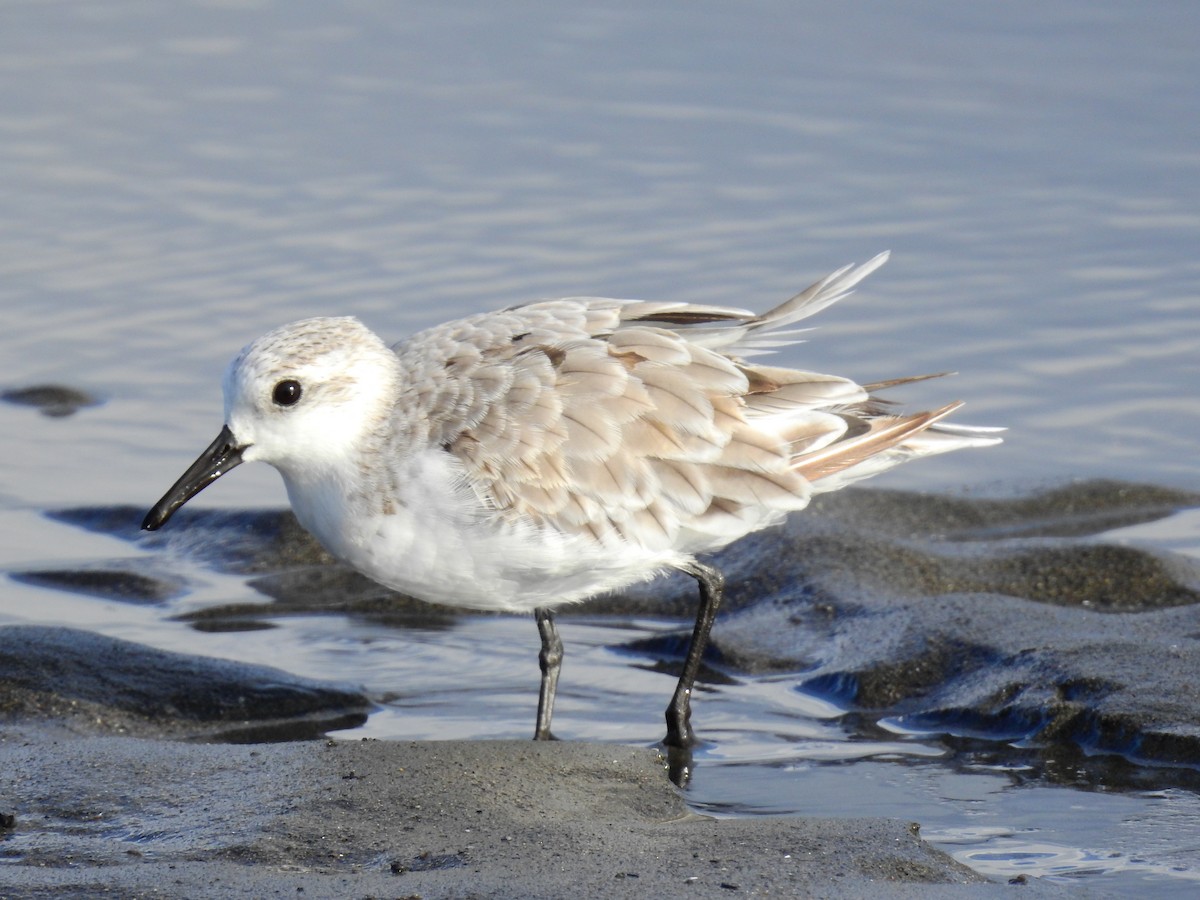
x: 135, y: 817
x: 95, y: 799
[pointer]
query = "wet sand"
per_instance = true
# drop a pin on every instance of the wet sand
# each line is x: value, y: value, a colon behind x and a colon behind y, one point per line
x: 134, y: 771
x: 138, y: 817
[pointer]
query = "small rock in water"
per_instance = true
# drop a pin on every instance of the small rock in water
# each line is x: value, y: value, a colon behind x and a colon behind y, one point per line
x: 54, y: 400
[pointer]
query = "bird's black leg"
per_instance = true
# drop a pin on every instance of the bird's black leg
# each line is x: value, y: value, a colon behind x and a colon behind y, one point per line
x: 679, y: 713
x: 550, y: 660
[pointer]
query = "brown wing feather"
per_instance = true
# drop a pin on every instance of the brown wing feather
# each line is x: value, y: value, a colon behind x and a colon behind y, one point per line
x: 598, y: 417
x: 631, y: 434
x: 882, y: 434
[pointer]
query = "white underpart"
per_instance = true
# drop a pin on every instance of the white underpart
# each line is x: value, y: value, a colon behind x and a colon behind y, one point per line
x: 440, y: 546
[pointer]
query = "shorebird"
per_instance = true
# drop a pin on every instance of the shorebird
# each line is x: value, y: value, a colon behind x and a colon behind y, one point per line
x: 543, y: 454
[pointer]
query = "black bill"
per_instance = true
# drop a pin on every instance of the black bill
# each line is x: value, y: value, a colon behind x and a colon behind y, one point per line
x: 222, y: 455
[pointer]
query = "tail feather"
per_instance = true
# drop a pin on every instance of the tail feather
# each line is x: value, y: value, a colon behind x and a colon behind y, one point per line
x: 740, y: 332
x: 816, y: 297
x: 881, y: 435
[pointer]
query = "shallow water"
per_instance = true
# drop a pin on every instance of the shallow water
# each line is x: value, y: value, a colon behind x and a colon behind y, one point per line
x: 178, y: 180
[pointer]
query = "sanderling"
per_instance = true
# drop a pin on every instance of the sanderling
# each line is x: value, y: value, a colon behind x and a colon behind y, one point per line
x: 541, y: 455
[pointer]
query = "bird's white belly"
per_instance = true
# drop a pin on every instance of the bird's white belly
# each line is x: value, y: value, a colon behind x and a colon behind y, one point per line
x: 438, y: 543
x: 489, y: 566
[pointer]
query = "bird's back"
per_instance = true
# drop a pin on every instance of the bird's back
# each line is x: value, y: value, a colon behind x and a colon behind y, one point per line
x: 645, y: 424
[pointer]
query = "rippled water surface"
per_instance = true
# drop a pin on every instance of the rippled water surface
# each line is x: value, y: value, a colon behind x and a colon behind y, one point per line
x: 181, y: 177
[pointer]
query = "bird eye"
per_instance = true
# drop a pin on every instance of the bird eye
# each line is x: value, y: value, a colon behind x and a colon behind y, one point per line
x: 287, y: 393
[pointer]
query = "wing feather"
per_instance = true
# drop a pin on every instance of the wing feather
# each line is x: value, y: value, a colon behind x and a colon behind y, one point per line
x: 640, y: 422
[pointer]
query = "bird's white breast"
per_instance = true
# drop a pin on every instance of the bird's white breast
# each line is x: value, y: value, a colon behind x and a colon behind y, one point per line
x: 436, y: 540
